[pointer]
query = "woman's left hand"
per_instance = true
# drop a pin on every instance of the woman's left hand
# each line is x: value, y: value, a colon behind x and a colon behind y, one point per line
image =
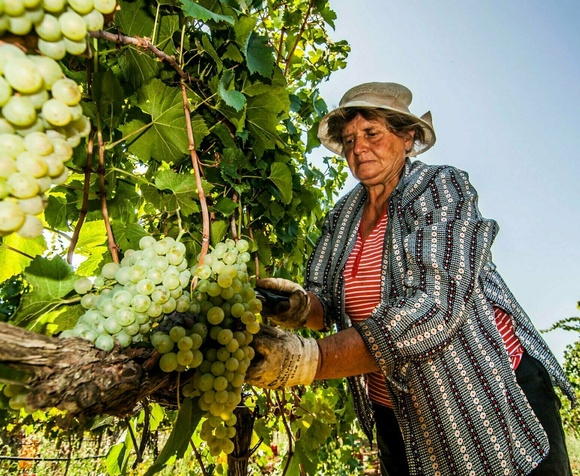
x: 282, y: 359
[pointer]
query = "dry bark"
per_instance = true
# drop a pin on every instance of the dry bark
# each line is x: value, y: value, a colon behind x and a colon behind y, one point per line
x: 73, y: 375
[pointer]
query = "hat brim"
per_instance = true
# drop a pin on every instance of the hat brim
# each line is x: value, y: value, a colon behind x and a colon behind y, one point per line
x: 425, y: 122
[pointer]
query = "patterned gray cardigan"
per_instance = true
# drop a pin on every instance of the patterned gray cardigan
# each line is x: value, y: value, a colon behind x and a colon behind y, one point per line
x: 433, y: 335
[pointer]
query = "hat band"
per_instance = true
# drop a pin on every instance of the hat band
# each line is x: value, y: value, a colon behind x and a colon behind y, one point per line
x: 376, y: 101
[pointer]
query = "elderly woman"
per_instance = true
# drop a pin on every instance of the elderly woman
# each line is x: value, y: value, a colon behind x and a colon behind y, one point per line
x: 440, y: 357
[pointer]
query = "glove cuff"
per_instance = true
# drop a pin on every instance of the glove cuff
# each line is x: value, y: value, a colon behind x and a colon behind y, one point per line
x: 306, y: 366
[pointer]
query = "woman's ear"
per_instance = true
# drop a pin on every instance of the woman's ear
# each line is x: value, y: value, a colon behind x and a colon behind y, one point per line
x: 409, y: 141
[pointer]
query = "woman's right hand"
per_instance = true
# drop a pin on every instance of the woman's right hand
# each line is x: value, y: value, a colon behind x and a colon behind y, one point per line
x: 292, y: 312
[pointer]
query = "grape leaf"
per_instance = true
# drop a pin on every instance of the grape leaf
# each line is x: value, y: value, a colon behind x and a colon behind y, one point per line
x: 243, y: 29
x: 14, y: 263
x: 232, y: 98
x: 267, y: 106
x: 194, y: 10
x: 225, y: 206
x: 218, y: 230
x: 128, y: 236
x: 108, y: 95
x: 90, y: 266
x: 184, y: 190
x: 259, y: 55
x: 51, y: 280
x: 137, y: 67
x: 168, y: 25
x: 115, y: 460
x: 134, y: 20
x: 187, y: 420
x: 165, y: 139
x: 282, y: 178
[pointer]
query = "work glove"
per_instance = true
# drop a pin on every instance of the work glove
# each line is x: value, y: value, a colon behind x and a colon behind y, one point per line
x: 282, y: 359
x: 284, y: 302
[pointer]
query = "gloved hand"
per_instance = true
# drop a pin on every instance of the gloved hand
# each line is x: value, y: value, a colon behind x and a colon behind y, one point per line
x: 291, y: 313
x: 282, y: 359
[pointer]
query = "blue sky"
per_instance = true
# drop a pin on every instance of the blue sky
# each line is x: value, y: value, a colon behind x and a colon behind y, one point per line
x: 502, y: 80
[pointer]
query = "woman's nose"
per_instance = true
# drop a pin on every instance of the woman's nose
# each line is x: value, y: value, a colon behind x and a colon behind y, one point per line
x: 359, y: 145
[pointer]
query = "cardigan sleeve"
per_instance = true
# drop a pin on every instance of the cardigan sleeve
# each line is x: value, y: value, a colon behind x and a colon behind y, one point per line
x: 439, y: 246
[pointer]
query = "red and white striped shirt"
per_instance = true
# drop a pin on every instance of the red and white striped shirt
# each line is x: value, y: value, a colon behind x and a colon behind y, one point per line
x: 363, y: 293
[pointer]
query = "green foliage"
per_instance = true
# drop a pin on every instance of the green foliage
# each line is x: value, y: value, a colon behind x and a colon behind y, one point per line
x: 248, y: 72
x: 570, y: 415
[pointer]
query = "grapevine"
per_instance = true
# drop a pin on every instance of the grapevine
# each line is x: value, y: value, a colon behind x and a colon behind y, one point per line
x: 198, y: 113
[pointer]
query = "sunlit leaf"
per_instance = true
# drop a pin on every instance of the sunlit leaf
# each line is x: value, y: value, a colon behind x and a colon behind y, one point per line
x: 17, y: 253
x: 282, y: 177
x: 194, y: 10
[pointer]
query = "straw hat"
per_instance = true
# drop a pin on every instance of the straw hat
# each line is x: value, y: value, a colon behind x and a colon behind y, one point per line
x: 390, y: 96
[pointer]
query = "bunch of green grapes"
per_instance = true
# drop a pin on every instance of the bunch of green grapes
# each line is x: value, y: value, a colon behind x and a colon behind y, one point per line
x: 125, y: 301
x: 16, y: 395
x: 61, y: 25
x: 225, y: 303
x: 41, y: 121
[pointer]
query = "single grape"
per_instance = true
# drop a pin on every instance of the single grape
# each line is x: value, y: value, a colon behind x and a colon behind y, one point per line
x: 197, y: 358
x: 94, y: 20
x: 168, y: 362
x: 171, y: 281
x: 72, y: 26
x: 19, y: 111
x: 146, y: 242
x: 125, y: 316
x: 160, y: 295
x: 53, y: 49
x: 224, y: 336
x: 123, y: 339
x: 140, y: 303
x: 206, y: 382
x: 105, y: 342
x: 67, y: 91
x: 105, y: 6
x: 109, y: 270
x: 38, y: 143
x: 81, y: 6
x: 154, y: 310
x: 122, y: 299
x: 56, y: 112
x: 83, y: 285
x: 49, y: 28
x: 23, y: 185
x: 223, y: 354
x: 145, y: 286
x: 232, y: 345
x: 32, y: 164
x: 169, y: 306
x: 215, y: 315
x: 7, y: 167
x: 62, y: 149
x: 184, y: 357
x: 76, y: 48
x: 20, y: 26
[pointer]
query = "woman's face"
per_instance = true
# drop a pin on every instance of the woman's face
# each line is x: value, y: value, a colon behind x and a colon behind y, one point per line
x: 374, y: 154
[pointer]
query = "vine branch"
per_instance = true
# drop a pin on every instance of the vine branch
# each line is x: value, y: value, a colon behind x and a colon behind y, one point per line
x: 196, y: 167
x: 298, y: 37
x: 144, y: 43
x: 84, y: 207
